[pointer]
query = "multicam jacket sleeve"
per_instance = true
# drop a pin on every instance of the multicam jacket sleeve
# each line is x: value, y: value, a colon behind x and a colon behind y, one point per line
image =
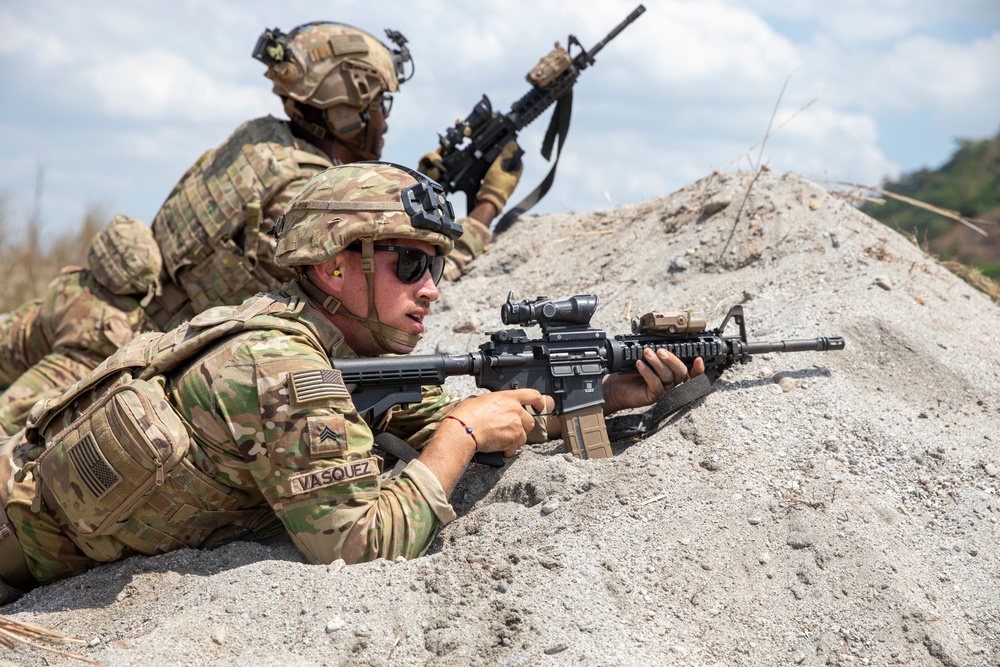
x: 277, y: 421
x: 48, y: 345
x: 475, y: 240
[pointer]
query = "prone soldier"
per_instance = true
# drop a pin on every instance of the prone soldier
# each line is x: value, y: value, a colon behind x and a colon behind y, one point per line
x: 201, y: 435
x: 211, y: 242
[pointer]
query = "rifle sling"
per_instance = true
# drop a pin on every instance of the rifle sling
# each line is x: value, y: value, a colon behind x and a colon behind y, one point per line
x: 558, y: 129
x: 645, y: 424
x: 388, y: 445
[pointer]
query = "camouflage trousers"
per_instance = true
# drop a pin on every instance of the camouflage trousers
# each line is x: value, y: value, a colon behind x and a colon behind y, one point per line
x: 15, y: 577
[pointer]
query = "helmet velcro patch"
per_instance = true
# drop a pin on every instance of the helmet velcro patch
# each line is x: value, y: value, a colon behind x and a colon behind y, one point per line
x: 345, y: 44
x: 338, y: 45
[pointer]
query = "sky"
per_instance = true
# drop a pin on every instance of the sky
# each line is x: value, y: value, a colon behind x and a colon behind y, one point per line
x: 106, y: 103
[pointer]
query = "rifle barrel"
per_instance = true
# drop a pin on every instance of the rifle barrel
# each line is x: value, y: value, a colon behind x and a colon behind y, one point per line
x: 800, y: 345
x: 614, y: 33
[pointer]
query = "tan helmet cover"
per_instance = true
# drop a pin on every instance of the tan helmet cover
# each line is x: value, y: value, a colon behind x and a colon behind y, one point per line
x: 335, y: 68
x: 125, y: 258
x: 366, y: 202
x: 344, y: 204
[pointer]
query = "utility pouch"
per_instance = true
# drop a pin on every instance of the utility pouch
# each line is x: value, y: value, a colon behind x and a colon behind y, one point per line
x: 105, y: 464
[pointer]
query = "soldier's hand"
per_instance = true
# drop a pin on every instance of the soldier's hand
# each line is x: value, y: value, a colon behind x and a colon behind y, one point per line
x: 430, y: 165
x: 502, y: 176
x: 498, y: 419
x: 658, y: 373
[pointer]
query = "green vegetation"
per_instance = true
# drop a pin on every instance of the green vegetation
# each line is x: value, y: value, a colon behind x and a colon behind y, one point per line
x: 969, y: 184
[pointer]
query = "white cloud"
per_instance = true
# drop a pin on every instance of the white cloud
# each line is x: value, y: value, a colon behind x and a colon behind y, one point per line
x: 160, y: 85
x: 21, y: 37
x: 136, y: 89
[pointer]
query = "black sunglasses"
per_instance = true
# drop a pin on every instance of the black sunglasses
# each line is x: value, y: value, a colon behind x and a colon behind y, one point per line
x: 411, y: 263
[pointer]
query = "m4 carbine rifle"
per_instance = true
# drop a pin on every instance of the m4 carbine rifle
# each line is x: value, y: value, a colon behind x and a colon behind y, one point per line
x: 469, y: 147
x: 568, y: 362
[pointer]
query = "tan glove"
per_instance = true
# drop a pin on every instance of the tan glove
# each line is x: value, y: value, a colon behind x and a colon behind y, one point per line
x: 502, y: 176
x: 430, y: 165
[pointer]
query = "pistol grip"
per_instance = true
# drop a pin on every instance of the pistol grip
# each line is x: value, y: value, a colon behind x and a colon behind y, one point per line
x: 585, y: 433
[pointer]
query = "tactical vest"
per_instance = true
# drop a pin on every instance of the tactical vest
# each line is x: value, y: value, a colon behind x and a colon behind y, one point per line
x: 208, y: 229
x: 115, y: 460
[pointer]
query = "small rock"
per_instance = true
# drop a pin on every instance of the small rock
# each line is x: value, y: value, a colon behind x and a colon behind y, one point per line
x: 716, y: 204
x: 883, y: 282
x: 556, y: 648
x: 679, y: 265
x: 786, y: 383
x: 764, y: 558
x: 468, y: 326
x: 334, y: 624
x: 550, y: 507
x: 990, y: 469
x: 219, y: 636
x: 336, y: 566
x: 755, y: 520
x: 711, y: 464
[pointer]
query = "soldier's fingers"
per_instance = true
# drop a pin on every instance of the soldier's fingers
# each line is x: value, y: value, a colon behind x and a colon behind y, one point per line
x: 656, y: 374
x: 668, y: 368
x: 529, y: 397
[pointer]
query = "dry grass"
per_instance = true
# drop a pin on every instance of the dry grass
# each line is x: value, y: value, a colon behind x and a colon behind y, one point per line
x: 13, y: 632
x: 969, y: 274
x: 975, y: 277
x: 28, y: 264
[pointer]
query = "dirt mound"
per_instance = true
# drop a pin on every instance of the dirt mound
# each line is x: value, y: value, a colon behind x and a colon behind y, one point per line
x: 816, y: 509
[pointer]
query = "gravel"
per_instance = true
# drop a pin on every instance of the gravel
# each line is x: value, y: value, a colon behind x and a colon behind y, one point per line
x: 834, y: 508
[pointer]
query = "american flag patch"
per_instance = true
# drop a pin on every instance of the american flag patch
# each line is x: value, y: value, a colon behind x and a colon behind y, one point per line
x: 308, y: 386
x: 94, y: 470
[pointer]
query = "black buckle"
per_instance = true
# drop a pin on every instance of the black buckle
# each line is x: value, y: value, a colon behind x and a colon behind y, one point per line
x: 428, y: 208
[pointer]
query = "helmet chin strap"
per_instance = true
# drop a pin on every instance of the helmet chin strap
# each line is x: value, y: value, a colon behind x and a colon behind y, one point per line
x: 382, y: 333
x: 365, y: 143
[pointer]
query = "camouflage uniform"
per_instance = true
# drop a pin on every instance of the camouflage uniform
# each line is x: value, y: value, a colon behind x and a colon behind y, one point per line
x: 273, y: 433
x: 214, y: 235
x: 48, y: 344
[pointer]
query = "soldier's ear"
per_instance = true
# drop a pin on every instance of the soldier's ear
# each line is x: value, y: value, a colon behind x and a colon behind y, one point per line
x: 328, y: 276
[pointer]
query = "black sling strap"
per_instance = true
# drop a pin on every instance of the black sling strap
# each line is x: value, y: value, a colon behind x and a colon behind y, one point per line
x: 645, y: 424
x: 557, y: 130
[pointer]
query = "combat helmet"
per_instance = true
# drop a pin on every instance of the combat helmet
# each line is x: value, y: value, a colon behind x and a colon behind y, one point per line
x: 331, y: 77
x: 362, y: 202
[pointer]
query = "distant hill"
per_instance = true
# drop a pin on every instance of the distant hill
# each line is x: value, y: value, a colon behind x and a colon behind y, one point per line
x: 969, y: 183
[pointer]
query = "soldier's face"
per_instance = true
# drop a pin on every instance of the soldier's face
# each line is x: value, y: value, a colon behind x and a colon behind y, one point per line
x: 400, y: 305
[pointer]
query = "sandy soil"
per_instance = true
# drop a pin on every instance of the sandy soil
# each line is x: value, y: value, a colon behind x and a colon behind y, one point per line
x: 831, y: 508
